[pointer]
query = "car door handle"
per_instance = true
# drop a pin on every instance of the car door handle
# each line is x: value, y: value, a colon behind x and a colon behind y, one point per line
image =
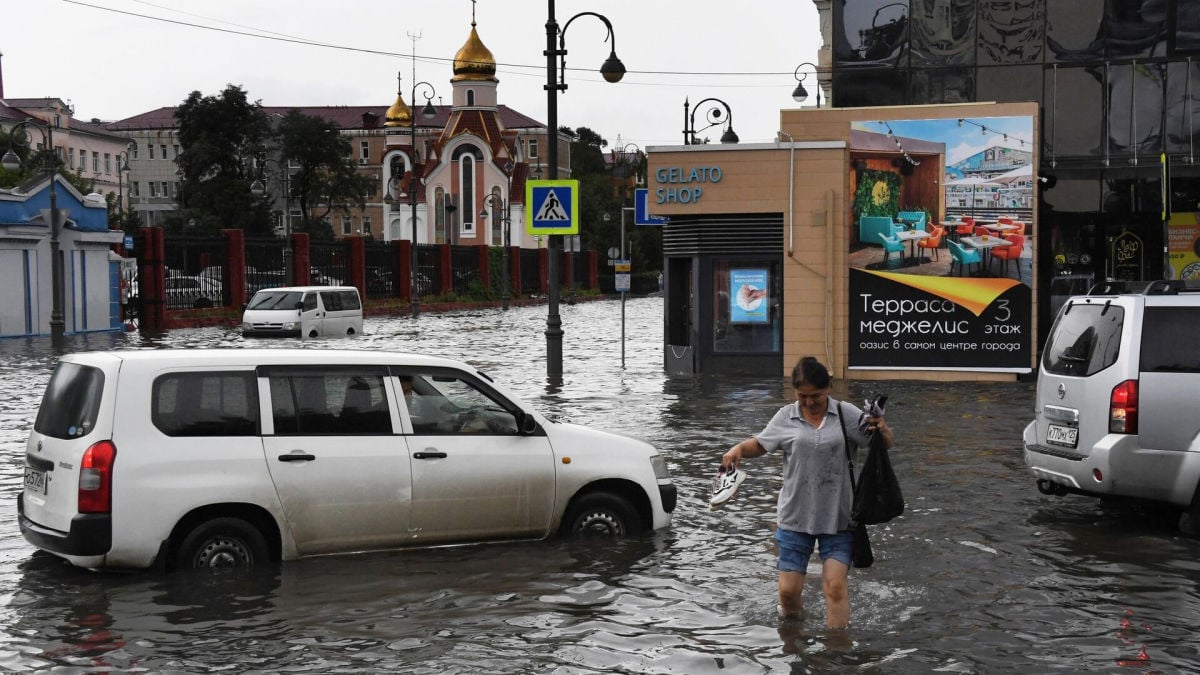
x: 429, y: 455
x: 297, y: 457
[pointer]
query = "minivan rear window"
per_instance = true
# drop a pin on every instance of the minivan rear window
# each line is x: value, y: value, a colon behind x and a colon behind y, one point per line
x: 71, y: 402
x: 1085, y: 340
x: 205, y: 404
x: 1169, y: 340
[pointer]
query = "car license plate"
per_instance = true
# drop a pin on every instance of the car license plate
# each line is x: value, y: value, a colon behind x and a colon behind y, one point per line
x: 35, y: 481
x: 1060, y: 435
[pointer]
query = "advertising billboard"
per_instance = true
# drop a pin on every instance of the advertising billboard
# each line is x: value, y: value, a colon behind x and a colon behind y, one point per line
x: 941, y: 247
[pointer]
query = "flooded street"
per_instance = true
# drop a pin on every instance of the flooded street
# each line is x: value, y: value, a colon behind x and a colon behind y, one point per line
x: 982, y: 574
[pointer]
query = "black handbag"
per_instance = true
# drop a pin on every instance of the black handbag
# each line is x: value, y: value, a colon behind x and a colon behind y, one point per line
x: 861, y: 554
x: 877, y: 497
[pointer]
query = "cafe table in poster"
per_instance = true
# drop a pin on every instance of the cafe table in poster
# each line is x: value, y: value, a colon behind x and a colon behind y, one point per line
x: 914, y: 322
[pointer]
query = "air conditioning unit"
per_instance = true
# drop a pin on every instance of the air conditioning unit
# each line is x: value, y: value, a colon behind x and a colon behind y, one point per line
x: 362, y: 161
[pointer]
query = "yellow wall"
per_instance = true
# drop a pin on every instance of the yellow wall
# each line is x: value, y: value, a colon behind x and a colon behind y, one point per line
x: 816, y: 216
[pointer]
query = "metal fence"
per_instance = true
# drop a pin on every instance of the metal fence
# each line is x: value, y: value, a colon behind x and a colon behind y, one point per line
x: 464, y: 261
x: 327, y: 263
x: 381, y: 269
x: 531, y: 275
x: 193, y: 274
x: 429, y: 266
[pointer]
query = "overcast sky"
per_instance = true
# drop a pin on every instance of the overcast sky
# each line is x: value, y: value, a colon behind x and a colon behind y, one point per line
x: 117, y: 58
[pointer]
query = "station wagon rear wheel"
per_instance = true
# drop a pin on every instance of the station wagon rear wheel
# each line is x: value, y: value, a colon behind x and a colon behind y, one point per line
x: 601, y: 515
x: 222, y: 543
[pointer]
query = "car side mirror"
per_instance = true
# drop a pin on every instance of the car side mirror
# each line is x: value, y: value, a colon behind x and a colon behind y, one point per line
x: 527, y: 424
x: 300, y: 305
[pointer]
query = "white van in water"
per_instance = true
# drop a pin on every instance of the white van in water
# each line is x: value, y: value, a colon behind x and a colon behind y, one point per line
x: 303, y: 311
x: 189, y: 458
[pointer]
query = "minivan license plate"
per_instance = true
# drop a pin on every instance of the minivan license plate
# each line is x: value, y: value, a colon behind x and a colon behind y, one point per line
x: 35, y: 481
x: 1060, y: 435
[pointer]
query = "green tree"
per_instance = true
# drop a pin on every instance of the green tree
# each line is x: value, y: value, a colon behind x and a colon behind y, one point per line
x: 220, y: 137
x: 326, y: 179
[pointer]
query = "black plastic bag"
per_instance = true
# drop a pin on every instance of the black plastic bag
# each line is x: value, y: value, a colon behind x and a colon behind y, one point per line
x: 877, y: 497
x: 860, y: 551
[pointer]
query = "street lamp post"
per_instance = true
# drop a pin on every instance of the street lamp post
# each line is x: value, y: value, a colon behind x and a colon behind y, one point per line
x: 428, y: 112
x: 800, y: 94
x: 122, y: 167
x: 12, y: 162
x: 506, y: 222
x: 612, y: 71
x: 713, y: 115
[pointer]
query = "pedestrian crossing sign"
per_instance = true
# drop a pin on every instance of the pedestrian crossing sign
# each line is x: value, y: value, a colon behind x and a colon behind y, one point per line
x: 552, y: 207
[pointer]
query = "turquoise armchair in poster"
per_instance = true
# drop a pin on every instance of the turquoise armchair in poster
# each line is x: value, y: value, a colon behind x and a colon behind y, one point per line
x: 871, y: 228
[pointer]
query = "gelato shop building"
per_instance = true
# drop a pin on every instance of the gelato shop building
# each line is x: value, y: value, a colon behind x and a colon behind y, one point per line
x: 891, y: 242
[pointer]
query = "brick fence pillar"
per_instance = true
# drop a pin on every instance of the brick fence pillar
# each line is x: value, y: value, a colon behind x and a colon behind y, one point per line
x: 301, y: 259
x: 233, y: 272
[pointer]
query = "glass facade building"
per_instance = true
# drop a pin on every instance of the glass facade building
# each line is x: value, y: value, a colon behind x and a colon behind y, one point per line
x: 1118, y: 84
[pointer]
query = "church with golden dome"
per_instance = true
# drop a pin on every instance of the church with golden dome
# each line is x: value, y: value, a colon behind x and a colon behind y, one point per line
x: 466, y: 163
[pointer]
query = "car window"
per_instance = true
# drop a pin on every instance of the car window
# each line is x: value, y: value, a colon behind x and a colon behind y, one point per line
x: 205, y: 404
x: 310, y: 301
x: 307, y: 402
x: 71, y: 402
x: 274, y: 300
x: 1085, y: 340
x: 332, y: 301
x: 349, y: 299
x: 447, y: 404
x: 1169, y: 340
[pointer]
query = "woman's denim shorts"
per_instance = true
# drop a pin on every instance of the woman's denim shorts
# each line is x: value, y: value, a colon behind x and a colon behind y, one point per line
x: 795, y: 548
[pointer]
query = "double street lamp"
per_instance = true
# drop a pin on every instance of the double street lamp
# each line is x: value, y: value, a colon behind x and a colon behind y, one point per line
x: 612, y: 71
x: 713, y: 115
x: 414, y: 182
x: 12, y: 162
x: 122, y: 167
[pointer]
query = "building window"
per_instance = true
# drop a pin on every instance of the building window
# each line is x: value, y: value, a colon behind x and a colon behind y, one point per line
x: 107, y: 162
x: 439, y: 215
x: 175, y: 189
x: 153, y: 189
x: 347, y: 225
x: 133, y: 189
x: 133, y: 150
x: 71, y: 157
x: 82, y: 159
x: 532, y: 148
x: 364, y: 151
x: 163, y: 148
x: 149, y: 151
x: 366, y: 225
x: 466, y: 186
x: 470, y: 97
x: 166, y: 189
x: 95, y: 162
x: 176, y: 149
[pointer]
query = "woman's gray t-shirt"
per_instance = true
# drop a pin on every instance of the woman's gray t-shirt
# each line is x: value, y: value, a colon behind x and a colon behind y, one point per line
x: 816, y: 497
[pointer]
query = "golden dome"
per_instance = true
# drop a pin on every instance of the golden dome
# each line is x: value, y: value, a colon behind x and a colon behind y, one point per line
x: 474, y: 61
x: 399, y: 115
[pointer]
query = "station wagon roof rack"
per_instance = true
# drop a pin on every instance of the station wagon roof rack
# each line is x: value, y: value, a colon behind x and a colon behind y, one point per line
x: 1156, y: 287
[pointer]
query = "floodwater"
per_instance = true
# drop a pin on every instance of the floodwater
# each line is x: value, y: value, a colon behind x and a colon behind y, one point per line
x: 982, y: 574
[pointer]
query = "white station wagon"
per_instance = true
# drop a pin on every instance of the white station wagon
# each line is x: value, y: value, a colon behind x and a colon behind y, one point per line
x: 236, y: 457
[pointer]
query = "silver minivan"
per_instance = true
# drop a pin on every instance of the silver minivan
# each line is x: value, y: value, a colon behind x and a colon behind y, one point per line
x: 303, y: 311
x: 1118, y: 396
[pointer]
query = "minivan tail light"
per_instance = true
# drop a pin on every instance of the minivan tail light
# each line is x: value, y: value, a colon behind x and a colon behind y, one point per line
x: 1123, y: 407
x: 95, y: 478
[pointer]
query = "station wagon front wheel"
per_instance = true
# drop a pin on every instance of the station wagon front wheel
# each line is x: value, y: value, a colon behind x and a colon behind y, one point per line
x: 222, y: 543
x: 601, y: 515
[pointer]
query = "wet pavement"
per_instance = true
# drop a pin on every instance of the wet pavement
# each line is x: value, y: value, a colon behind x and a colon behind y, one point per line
x: 982, y: 574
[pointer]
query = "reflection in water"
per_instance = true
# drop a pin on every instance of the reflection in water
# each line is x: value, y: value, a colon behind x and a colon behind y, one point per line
x: 981, y: 574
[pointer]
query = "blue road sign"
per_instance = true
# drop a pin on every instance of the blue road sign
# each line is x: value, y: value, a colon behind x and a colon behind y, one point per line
x: 552, y: 207
x: 641, y: 212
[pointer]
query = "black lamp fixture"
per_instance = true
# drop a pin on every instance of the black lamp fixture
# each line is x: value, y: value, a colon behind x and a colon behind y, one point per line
x: 612, y: 71
x: 427, y: 112
x: 12, y: 162
x: 800, y: 94
x: 713, y: 115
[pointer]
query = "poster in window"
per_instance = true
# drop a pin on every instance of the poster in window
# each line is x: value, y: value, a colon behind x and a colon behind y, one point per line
x: 748, y: 298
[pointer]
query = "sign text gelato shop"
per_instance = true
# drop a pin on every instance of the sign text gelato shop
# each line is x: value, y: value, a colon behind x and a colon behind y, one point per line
x: 680, y: 185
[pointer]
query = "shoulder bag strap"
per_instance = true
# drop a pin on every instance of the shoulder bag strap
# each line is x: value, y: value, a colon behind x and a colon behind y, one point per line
x: 846, y: 444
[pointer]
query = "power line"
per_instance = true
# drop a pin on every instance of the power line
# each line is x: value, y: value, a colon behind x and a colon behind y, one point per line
x: 291, y: 39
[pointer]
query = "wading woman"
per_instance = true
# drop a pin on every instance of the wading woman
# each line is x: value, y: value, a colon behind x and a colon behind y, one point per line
x: 816, y: 497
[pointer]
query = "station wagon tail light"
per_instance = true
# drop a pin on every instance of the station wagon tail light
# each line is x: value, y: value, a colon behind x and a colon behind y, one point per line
x: 95, y: 478
x: 1122, y: 408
